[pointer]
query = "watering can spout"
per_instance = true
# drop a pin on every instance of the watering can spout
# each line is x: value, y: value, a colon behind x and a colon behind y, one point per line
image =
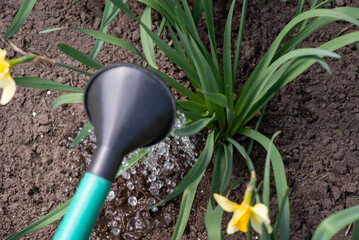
x: 129, y: 107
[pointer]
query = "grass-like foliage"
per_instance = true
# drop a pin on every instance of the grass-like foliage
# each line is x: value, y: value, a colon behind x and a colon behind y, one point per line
x: 215, y: 103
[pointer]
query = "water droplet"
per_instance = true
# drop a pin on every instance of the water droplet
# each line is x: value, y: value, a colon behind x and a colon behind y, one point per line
x: 110, y: 196
x: 114, y: 224
x: 151, y: 201
x: 115, y: 231
x: 154, y: 209
x: 132, y: 201
x: 130, y: 186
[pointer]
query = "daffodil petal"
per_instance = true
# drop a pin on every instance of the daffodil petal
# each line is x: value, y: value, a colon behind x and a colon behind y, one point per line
x: 2, y: 54
x: 260, y: 215
x: 8, y: 90
x: 226, y: 204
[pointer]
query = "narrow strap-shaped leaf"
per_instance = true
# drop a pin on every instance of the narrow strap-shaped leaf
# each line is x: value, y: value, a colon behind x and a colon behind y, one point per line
x: 217, y: 98
x: 280, y: 213
x: 146, y: 40
x: 265, y: 235
x: 334, y: 223
x: 111, y: 39
x: 355, y: 234
x: 299, y: 7
x: 179, y: 87
x: 218, y: 171
x: 243, y: 152
x: 112, y: 16
x: 67, y: 98
x: 197, y: 11
x: 82, y: 135
x: 191, y: 106
x: 108, y: 16
x: 227, y: 57
x: 79, y: 56
x: 194, y: 127
x: 213, y: 222
x: 185, y: 209
x: 42, y: 83
x: 170, y: 52
x: 228, y: 162
x: 73, y: 68
x: 48, y: 219
x: 104, y: 37
x: 208, y: 10
x: 239, y: 39
x: 132, y: 161
x: 266, y: 178
x: 20, y: 17
x: 279, y: 176
x: 197, y: 170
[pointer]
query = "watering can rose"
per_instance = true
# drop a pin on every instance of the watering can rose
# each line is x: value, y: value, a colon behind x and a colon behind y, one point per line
x: 7, y: 83
x: 242, y: 213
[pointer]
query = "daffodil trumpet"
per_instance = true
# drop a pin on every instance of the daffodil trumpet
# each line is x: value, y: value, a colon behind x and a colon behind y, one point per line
x: 244, y: 212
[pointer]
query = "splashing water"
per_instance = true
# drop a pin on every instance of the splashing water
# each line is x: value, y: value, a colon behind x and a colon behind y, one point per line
x: 146, y: 183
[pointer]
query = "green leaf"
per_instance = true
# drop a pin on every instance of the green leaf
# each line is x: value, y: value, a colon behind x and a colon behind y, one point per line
x: 243, y: 152
x: 67, y: 98
x: 104, y: 37
x: 266, y: 178
x: 185, y: 209
x: 279, y: 216
x: 191, y: 106
x: 265, y: 235
x: 213, y: 221
x: 20, y: 17
x: 79, y: 56
x: 217, y: 98
x: 208, y: 10
x: 334, y: 223
x: 194, y: 127
x: 355, y: 234
x: 239, y: 39
x: 82, y: 135
x: 73, y: 68
x: 279, y: 177
x: 227, y: 57
x: 197, y: 170
x: 35, y: 82
x: 48, y: 219
x: 146, y: 40
x: 132, y: 161
x: 179, y: 87
x: 108, y: 16
x: 197, y: 11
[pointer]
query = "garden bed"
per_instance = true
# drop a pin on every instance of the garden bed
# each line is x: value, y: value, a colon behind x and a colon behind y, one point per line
x: 317, y: 113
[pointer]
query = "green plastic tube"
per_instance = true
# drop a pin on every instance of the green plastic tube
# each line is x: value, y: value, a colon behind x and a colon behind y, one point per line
x: 84, y: 209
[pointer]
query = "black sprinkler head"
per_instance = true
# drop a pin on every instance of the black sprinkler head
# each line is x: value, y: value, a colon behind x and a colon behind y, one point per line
x: 130, y: 107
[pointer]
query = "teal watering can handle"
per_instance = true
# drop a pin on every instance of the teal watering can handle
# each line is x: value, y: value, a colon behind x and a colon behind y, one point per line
x: 84, y: 209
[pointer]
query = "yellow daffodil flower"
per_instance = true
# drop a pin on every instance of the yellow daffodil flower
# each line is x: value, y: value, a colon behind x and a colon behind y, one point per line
x: 244, y: 212
x: 7, y: 83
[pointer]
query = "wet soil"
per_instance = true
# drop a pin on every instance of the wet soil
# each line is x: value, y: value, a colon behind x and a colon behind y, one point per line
x: 317, y: 113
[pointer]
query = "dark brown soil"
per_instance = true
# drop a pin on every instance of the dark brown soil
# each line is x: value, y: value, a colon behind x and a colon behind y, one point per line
x: 317, y: 113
